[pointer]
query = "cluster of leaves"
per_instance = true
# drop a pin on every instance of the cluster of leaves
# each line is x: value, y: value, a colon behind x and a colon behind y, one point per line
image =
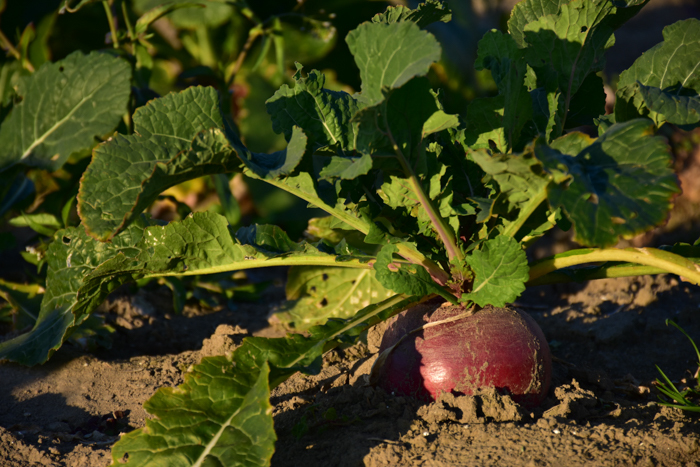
x: 54, y: 114
x: 420, y: 202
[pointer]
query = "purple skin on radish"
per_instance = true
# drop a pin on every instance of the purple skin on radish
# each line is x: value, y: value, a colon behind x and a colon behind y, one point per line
x: 494, y: 347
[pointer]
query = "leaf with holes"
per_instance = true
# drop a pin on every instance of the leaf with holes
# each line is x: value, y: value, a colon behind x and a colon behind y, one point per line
x: 620, y: 185
x: 316, y: 294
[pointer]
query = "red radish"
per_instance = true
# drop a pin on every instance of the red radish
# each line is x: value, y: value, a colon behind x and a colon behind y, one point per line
x: 493, y: 347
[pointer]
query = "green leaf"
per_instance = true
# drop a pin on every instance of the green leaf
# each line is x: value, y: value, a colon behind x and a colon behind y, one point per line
x: 178, y: 138
x: 522, y: 182
x: 620, y: 186
x: 405, y: 278
x: 432, y: 11
x: 71, y: 258
x: 277, y: 164
x: 670, y: 107
x: 213, y: 14
x: 672, y: 67
x: 319, y: 293
x: 389, y: 55
x: 83, y: 271
x: 38, y: 222
x: 588, y: 103
x: 499, y: 53
x: 529, y: 11
x: 439, y: 121
x: 571, y: 44
x: 500, y: 270
x: 220, y: 415
x: 403, y: 114
x: 65, y: 106
x: 229, y: 396
x: 323, y: 115
x: 347, y: 168
x: 156, y: 12
x: 485, y: 124
x: 565, y: 46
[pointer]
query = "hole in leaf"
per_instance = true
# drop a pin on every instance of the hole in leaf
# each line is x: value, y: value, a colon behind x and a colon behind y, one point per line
x: 184, y: 268
x: 323, y: 302
x: 60, y: 69
x: 584, y: 28
x: 312, y: 289
x: 324, y: 277
x: 66, y: 240
x: 353, y: 282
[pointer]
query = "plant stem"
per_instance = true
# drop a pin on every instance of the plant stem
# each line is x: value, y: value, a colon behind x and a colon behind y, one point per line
x: 443, y: 230
x: 525, y: 212
x: 656, y: 261
x: 268, y: 262
x: 112, y: 26
x: 233, y: 70
x: 129, y: 27
x: 7, y: 46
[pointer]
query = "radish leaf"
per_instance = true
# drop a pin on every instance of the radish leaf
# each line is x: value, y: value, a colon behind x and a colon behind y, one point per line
x: 319, y: 293
x: 500, y: 272
x: 389, y: 55
x: 65, y: 106
x: 672, y: 67
x: 621, y: 185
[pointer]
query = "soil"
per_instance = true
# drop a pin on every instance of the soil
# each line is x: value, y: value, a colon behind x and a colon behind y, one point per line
x: 602, y: 408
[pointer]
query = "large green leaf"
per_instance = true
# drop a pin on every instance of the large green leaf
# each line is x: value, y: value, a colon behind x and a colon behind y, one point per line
x: 71, y: 258
x: 319, y: 293
x: 619, y: 186
x: 220, y: 415
x: 670, y: 66
x: 500, y: 272
x: 323, y: 115
x: 563, y: 44
x: 83, y: 271
x: 65, y: 106
x: 178, y: 137
x: 389, y: 55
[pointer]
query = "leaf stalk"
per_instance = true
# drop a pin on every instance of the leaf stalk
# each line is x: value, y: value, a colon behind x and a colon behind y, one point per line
x: 656, y: 261
x: 442, y: 230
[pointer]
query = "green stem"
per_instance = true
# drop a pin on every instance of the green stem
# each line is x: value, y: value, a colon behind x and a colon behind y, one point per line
x: 235, y: 67
x: 653, y: 261
x: 112, y: 27
x: 269, y: 262
x: 525, y: 213
x: 129, y: 27
x: 9, y: 47
x: 442, y: 230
